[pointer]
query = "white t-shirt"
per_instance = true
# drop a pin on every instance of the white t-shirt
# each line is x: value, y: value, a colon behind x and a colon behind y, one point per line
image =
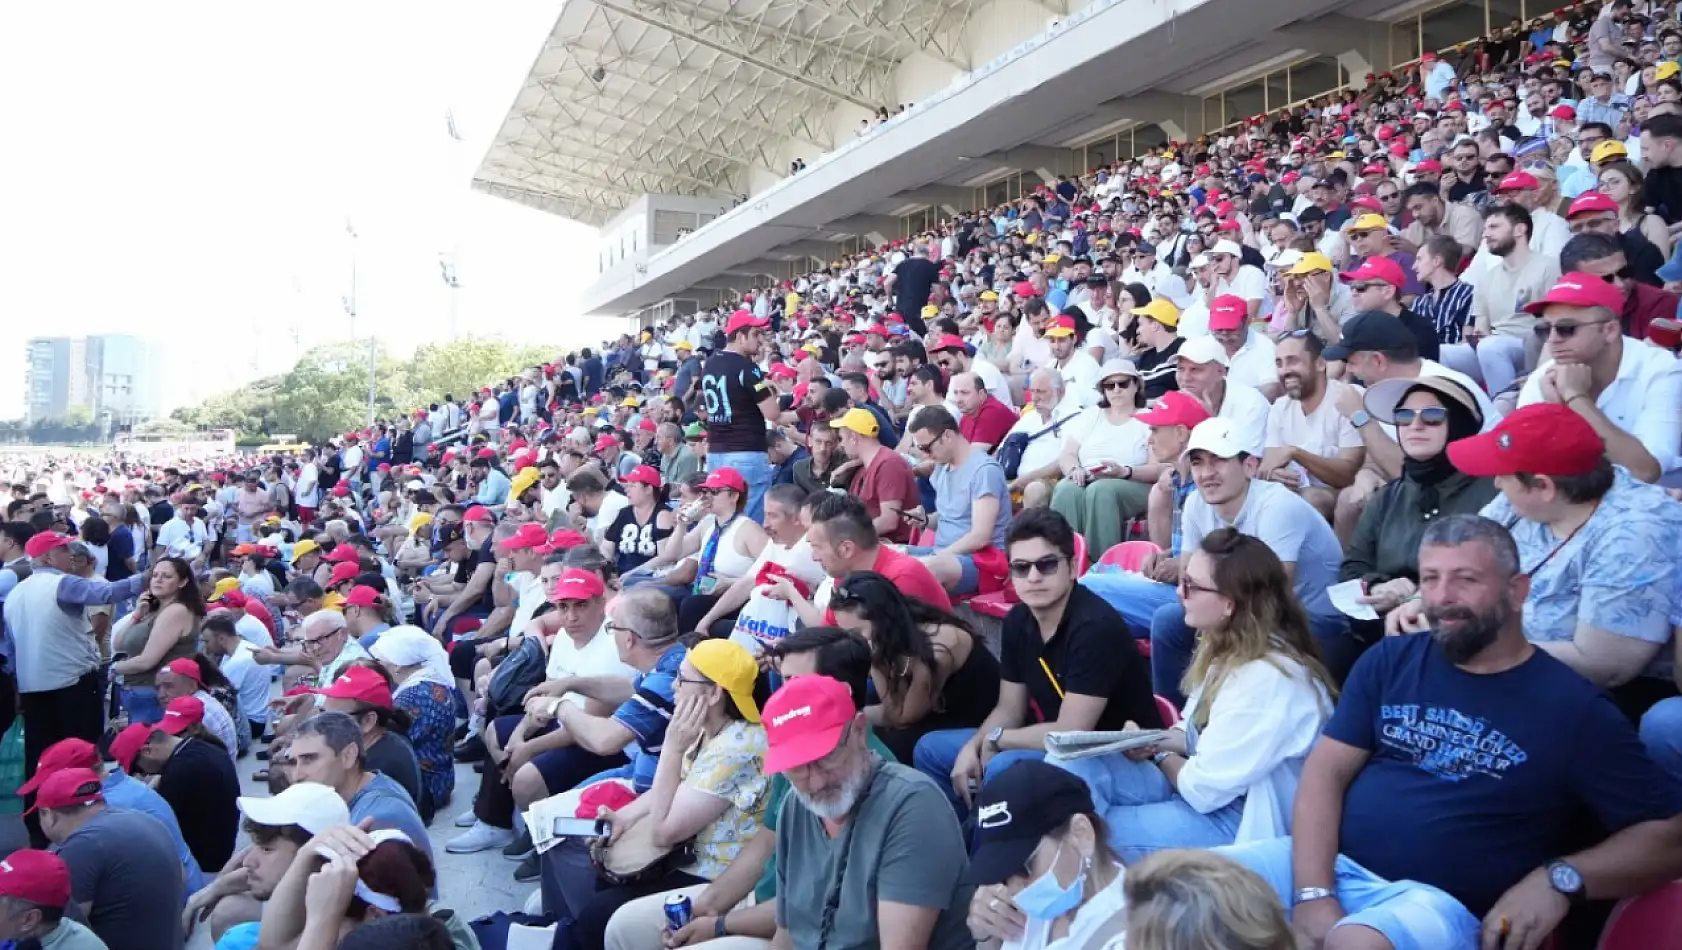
x: 530, y: 595
x: 994, y: 379
x: 1644, y: 399
x: 1247, y: 409
x: 250, y: 679
x: 179, y: 539
x: 1323, y: 432
x: 1044, y: 450
x: 252, y: 631
x: 1103, y: 441
x: 352, y: 457
x: 599, y: 657
x: 309, y: 486
x: 1249, y: 283
x: 612, y: 504
x: 1080, y: 378
x: 1253, y: 364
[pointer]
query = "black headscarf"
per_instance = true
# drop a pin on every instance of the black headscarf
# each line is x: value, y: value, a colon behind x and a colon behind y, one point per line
x: 1429, y: 473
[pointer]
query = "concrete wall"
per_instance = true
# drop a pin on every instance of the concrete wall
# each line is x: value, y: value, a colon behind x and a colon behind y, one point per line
x: 997, y: 27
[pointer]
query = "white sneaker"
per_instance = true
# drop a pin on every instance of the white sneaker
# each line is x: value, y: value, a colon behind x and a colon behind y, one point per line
x: 481, y: 837
x: 466, y: 819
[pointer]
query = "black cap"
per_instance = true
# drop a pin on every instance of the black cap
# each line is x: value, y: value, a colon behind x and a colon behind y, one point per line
x: 1311, y: 214
x: 451, y: 533
x: 1096, y: 280
x: 1372, y: 330
x: 1017, y: 808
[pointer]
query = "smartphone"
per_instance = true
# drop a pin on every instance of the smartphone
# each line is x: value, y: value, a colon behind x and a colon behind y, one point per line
x: 579, y: 828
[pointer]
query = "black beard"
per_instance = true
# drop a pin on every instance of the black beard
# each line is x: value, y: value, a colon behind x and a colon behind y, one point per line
x: 1462, y: 633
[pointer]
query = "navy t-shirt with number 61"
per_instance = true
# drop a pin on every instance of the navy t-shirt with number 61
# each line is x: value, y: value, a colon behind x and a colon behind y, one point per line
x: 731, y: 390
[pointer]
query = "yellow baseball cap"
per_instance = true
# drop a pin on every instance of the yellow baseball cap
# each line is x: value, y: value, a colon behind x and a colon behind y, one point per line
x: 1311, y: 262
x: 333, y: 600
x: 989, y: 295
x: 304, y: 548
x: 930, y: 310
x: 1032, y: 238
x: 1053, y: 258
x: 1162, y: 311
x: 630, y: 401
x: 683, y: 345
x: 862, y: 421
x: 1337, y: 154
x: 1367, y: 222
x: 418, y: 521
x: 732, y: 668
x: 229, y: 583
x: 523, y: 479
x: 1608, y: 150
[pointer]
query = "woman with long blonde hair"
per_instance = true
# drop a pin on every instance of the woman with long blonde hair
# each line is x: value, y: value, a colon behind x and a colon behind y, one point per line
x: 1257, y: 697
x: 1199, y: 900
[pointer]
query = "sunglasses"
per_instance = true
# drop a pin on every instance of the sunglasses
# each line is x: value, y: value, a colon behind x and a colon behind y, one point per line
x: 1623, y: 273
x: 1360, y: 287
x: 1046, y: 566
x: 1430, y: 415
x: 1118, y: 384
x: 1564, y: 329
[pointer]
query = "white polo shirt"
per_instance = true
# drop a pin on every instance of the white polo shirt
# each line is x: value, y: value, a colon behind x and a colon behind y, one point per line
x: 1247, y: 409
x: 1644, y: 399
x: 1253, y: 364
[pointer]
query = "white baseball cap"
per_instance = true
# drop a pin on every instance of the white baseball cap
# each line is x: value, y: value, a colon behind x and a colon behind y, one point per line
x: 1216, y: 436
x: 1201, y: 260
x: 1228, y: 247
x: 310, y: 806
x: 1204, y: 349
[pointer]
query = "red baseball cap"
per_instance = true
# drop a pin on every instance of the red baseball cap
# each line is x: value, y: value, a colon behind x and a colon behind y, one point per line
x: 1562, y: 111
x: 804, y: 721
x: 360, y: 684
x: 1543, y: 438
x: 1377, y: 268
x: 530, y: 535
x: 1228, y: 312
x: 1429, y: 165
x: 68, y: 787
x: 1175, y: 408
x: 486, y: 453
x: 577, y: 584
x: 38, y: 877
x: 1577, y: 289
x: 186, y: 666
x: 344, y: 572
x: 1592, y: 201
x: 643, y: 475
x: 341, y: 490
x: 478, y: 514
x: 63, y: 754
x: 361, y: 596
x: 741, y: 320
x: 1518, y: 181
x: 606, y: 442
x: 726, y: 478
x: 343, y: 554
x: 561, y: 540
x: 383, y: 467
x: 648, y: 425
x: 182, y: 713
x: 785, y: 371
x: 45, y: 541
x: 127, y: 744
x: 949, y: 342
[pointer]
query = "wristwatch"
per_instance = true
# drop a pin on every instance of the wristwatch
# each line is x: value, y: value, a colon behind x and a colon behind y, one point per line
x: 1360, y: 418
x: 993, y: 737
x: 1306, y: 894
x: 1567, y: 880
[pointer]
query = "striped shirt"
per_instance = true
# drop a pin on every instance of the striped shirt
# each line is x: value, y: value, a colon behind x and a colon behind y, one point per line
x: 1448, y: 309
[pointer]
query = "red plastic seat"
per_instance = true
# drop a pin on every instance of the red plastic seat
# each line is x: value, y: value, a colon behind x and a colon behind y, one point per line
x: 1129, y: 555
x: 1166, y: 710
x: 1652, y: 921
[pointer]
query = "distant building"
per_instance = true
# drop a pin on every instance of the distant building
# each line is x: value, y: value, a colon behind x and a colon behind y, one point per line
x: 109, y: 376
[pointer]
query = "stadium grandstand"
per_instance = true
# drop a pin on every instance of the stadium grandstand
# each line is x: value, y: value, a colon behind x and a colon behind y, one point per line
x: 676, y: 127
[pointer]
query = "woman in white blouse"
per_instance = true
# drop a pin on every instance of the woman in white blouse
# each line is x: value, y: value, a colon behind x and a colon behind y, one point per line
x: 1105, y: 462
x: 1257, y: 699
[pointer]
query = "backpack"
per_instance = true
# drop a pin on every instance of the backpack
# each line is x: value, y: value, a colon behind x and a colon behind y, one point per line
x: 1015, y: 445
x: 523, y: 669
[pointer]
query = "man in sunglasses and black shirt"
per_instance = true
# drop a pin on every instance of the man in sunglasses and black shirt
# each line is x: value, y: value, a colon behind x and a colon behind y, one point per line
x: 1064, y: 666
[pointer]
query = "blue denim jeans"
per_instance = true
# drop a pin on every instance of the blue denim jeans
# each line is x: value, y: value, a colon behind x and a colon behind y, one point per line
x: 755, y: 467
x: 1143, y: 813
x: 141, y: 704
x: 1411, y: 915
x: 1173, y: 643
x: 1134, y: 596
x: 937, y: 752
x: 1661, y: 732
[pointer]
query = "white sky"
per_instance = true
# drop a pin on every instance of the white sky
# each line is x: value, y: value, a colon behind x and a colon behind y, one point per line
x: 183, y: 171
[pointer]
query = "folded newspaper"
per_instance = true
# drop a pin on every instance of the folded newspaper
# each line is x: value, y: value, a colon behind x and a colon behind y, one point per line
x: 1080, y: 745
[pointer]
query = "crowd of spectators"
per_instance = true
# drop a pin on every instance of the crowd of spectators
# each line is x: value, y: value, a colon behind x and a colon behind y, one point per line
x: 1326, y: 467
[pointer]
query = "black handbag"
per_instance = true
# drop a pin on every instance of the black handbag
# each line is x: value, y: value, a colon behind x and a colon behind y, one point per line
x: 523, y: 669
x: 1016, y: 444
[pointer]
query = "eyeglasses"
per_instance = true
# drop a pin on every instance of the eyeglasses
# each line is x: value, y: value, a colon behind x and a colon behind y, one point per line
x: 1189, y: 586
x: 924, y: 446
x: 1430, y: 415
x: 1564, y: 329
x: 685, y: 679
x: 1046, y: 566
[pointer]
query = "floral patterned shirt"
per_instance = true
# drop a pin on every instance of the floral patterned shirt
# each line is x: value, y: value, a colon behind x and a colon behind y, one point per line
x: 731, y: 766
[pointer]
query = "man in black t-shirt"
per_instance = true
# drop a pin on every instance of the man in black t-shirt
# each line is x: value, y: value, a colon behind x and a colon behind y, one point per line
x: 736, y: 401
x: 910, y: 283
x: 1661, y: 151
x: 1062, y: 666
x: 196, y: 778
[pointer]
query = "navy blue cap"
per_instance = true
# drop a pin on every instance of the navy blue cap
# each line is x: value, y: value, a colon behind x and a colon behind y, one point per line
x: 1017, y: 808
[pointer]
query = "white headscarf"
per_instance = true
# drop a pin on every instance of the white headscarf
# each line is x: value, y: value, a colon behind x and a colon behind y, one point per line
x: 409, y: 645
